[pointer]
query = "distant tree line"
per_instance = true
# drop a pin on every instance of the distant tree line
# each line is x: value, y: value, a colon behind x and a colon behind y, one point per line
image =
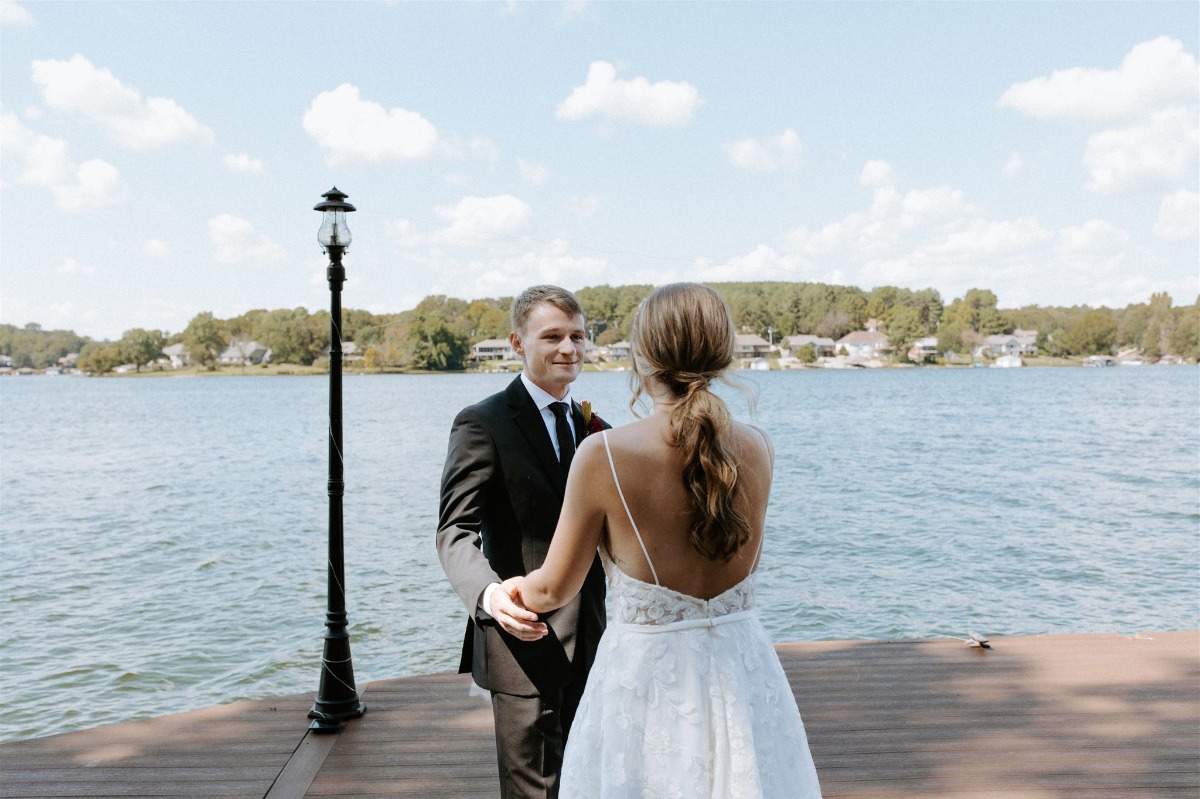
x: 439, y: 332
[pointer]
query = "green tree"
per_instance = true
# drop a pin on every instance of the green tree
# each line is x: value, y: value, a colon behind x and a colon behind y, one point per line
x: 141, y: 347
x: 99, y: 357
x: 32, y: 347
x: 1132, y: 326
x: 204, y: 339
x: 950, y: 339
x: 435, y: 346
x: 1184, y: 339
x: 807, y: 354
x: 1094, y: 333
x: 291, y: 336
x: 903, y: 327
x: 834, y: 324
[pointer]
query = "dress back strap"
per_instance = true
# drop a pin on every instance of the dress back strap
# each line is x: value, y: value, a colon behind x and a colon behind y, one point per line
x: 632, y: 523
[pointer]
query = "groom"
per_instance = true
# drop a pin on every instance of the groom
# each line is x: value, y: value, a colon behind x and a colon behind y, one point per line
x: 502, y: 490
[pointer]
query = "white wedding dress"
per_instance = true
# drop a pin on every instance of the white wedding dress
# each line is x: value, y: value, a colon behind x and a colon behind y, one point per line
x: 686, y: 700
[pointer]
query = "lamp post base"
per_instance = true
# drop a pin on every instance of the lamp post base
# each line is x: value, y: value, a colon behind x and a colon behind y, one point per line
x: 327, y: 720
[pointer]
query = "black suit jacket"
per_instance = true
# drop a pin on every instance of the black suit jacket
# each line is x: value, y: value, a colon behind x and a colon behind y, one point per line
x: 502, y: 491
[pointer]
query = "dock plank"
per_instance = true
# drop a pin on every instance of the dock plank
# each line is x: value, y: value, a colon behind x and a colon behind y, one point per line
x: 1035, y: 717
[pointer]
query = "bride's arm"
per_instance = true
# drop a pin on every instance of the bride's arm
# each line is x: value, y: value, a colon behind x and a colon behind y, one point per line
x: 573, y: 548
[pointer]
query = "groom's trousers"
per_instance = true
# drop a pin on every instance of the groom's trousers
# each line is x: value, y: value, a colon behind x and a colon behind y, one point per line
x: 531, y: 734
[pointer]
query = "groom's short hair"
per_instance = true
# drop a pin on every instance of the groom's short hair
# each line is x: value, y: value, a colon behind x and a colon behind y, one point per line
x: 532, y: 297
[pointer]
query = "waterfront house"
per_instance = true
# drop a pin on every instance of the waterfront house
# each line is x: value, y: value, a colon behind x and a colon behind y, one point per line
x: 619, y: 351
x: 1028, y: 341
x: 864, y: 344
x: 751, y: 346
x: 178, y: 355
x: 923, y: 349
x: 824, y: 347
x: 999, y: 344
x: 245, y: 353
x: 6, y: 363
x: 493, y: 349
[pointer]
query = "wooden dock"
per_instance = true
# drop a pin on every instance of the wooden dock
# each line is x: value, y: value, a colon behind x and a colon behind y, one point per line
x: 1047, y: 717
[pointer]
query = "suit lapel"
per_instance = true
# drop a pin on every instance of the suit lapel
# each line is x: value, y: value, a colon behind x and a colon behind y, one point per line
x: 577, y: 418
x: 529, y: 421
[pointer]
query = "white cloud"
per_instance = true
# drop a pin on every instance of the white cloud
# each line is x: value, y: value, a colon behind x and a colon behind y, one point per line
x: 477, y: 221
x: 1143, y: 156
x: 1152, y: 75
x: 77, y: 86
x: 97, y: 185
x: 244, y: 164
x: 1178, y: 215
x: 352, y: 130
x: 1092, y: 238
x: 156, y: 248
x: 70, y: 266
x: 935, y: 237
x: 766, y: 155
x: 13, y: 13
x: 537, y: 174
x: 237, y: 242
x: 660, y: 105
x: 876, y: 174
x: 544, y: 263
x: 1014, y: 165
x: 45, y: 161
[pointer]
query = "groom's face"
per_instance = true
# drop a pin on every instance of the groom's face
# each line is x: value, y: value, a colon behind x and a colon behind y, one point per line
x: 552, y: 347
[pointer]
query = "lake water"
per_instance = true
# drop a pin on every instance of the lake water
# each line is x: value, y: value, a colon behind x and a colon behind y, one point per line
x: 164, y: 540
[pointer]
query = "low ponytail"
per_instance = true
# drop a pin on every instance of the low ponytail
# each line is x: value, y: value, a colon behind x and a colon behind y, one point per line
x: 683, y: 337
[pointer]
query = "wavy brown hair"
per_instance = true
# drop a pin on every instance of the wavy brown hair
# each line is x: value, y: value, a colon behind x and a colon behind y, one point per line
x: 683, y: 337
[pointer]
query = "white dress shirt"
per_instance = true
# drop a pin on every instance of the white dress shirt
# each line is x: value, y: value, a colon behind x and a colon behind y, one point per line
x: 543, y: 400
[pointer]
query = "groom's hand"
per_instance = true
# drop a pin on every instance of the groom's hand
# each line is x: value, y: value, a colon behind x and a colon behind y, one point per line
x: 514, y: 618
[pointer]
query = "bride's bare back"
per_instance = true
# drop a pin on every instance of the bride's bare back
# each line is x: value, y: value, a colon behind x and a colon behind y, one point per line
x: 650, y: 471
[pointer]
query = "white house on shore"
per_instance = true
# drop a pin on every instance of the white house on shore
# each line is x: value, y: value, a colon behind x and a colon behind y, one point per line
x: 868, y: 343
x: 178, y: 355
x: 246, y: 353
x: 923, y: 349
x: 749, y: 345
x: 1018, y: 342
x: 493, y: 349
x: 823, y: 346
x: 620, y: 351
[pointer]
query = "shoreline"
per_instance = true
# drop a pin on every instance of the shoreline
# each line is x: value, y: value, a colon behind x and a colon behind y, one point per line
x: 294, y: 370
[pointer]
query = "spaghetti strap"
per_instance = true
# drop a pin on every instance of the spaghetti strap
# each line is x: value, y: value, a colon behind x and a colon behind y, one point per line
x: 632, y: 523
x: 762, y: 540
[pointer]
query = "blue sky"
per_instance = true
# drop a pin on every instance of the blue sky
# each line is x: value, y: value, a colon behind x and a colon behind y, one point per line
x: 160, y: 159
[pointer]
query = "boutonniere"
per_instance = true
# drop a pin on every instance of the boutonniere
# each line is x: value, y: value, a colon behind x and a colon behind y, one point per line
x: 591, y: 422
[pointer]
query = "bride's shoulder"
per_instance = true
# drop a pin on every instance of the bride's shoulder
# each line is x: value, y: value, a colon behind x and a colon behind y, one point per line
x: 754, y: 438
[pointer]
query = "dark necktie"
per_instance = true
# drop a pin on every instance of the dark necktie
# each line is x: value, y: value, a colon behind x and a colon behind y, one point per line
x: 562, y: 429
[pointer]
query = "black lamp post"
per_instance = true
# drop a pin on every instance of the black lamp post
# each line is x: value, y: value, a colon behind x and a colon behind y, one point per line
x: 337, y: 698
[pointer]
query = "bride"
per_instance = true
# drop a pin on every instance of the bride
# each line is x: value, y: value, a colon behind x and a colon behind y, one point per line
x: 686, y: 697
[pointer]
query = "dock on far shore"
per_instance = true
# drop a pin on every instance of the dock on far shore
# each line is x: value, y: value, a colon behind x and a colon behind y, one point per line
x: 1095, y: 716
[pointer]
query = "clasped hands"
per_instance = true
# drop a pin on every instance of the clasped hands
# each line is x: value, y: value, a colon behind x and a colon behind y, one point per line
x: 511, y: 614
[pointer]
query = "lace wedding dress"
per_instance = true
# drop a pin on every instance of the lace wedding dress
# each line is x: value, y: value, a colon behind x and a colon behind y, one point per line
x: 686, y: 699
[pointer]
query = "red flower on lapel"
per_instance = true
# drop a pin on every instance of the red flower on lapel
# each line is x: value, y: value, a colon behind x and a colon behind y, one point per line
x: 591, y: 422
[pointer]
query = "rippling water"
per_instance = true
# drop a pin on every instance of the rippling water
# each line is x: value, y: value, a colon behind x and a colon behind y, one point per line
x: 164, y: 539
